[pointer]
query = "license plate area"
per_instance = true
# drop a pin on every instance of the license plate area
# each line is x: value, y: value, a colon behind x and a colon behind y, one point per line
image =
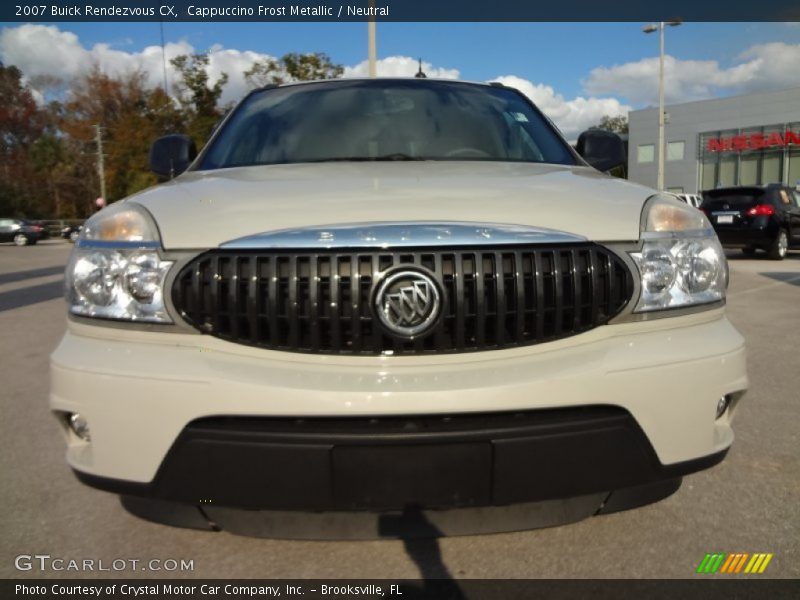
x: 725, y: 219
x: 375, y: 477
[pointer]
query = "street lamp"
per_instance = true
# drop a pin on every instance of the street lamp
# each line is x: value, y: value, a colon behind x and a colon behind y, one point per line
x: 372, y: 52
x: 652, y: 28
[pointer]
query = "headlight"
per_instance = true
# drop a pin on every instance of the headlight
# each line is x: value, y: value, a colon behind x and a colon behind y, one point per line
x: 115, y: 271
x: 681, y: 262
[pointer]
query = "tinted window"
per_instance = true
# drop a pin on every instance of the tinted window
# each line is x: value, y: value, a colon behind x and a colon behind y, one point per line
x: 385, y: 120
x: 736, y: 199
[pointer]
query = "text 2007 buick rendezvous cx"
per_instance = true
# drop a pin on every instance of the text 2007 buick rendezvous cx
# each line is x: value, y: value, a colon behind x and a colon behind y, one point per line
x: 365, y: 295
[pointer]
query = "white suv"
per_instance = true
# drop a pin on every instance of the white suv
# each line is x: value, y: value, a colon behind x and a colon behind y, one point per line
x: 373, y: 294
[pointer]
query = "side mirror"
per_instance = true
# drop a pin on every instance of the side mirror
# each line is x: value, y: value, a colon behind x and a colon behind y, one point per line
x: 604, y: 150
x: 171, y: 155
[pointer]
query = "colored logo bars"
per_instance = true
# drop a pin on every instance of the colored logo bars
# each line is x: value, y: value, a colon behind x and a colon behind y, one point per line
x: 734, y: 563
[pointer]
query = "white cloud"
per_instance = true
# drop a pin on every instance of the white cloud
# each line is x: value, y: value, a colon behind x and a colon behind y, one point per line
x: 44, y: 52
x: 571, y: 116
x: 400, y: 66
x: 759, y: 68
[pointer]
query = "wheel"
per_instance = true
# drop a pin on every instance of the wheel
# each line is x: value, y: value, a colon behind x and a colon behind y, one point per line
x: 21, y: 239
x: 779, y: 247
x: 748, y: 251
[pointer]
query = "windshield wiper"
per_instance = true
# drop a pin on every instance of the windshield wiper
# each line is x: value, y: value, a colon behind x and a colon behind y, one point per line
x: 386, y: 157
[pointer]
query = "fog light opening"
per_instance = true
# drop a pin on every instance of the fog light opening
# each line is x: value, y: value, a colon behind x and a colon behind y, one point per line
x: 79, y: 426
x: 722, y: 405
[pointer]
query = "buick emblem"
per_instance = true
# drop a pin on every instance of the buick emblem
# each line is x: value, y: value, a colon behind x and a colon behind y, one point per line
x: 408, y: 303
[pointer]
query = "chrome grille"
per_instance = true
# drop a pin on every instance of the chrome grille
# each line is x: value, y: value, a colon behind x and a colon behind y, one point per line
x: 321, y: 301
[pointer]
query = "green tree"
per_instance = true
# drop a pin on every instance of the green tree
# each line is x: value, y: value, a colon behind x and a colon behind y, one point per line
x: 131, y: 116
x: 292, y: 67
x: 21, y: 124
x: 198, y: 99
x: 618, y: 124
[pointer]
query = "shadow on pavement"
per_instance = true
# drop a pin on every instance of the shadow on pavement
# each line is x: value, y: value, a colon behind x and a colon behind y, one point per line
x: 735, y: 256
x: 420, y: 539
x: 33, y: 273
x: 31, y: 295
x: 790, y: 278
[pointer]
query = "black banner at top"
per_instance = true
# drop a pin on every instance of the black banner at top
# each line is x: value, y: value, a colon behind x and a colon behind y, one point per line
x: 397, y: 10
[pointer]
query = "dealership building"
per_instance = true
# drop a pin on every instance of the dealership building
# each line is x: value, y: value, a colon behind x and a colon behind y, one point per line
x: 742, y: 140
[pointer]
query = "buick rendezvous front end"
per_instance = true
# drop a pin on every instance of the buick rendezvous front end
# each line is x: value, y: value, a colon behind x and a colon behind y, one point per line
x: 370, y: 295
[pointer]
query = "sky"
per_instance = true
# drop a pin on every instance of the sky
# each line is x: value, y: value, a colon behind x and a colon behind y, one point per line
x: 575, y: 72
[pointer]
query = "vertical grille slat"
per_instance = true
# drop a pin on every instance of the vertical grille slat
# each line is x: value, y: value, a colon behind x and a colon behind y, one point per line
x: 336, y: 305
x: 375, y: 269
x: 232, y: 303
x: 214, y: 297
x: 252, y: 299
x: 539, y: 286
x: 558, y: 293
x: 459, y: 285
x: 438, y: 269
x: 576, y: 288
x: 593, y: 266
x: 500, y: 302
x: 519, y: 274
x: 322, y: 301
x: 355, y: 305
x: 272, y: 303
x: 313, y: 302
x: 609, y: 282
x: 480, y: 309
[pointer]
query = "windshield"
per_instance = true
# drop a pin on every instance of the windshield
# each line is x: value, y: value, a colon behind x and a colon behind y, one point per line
x: 385, y: 120
x: 733, y: 198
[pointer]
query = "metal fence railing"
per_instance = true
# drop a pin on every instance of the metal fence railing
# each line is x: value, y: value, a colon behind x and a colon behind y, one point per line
x: 54, y: 226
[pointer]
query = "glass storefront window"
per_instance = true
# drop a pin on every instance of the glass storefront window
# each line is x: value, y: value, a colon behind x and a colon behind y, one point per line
x: 753, y: 155
x: 748, y: 169
x: 708, y: 174
x: 794, y: 167
x: 771, y: 163
x: 727, y: 171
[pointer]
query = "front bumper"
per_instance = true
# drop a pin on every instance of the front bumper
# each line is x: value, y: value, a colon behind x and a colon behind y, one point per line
x: 618, y: 406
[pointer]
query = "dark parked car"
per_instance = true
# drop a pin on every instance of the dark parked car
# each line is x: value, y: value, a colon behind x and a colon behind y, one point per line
x: 44, y: 231
x: 71, y: 232
x: 20, y: 231
x: 755, y: 218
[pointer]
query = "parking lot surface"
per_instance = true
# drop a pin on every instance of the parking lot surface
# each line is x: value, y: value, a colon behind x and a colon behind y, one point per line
x: 749, y: 503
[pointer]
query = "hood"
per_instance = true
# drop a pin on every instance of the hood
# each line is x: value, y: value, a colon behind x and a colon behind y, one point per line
x: 203, y: 209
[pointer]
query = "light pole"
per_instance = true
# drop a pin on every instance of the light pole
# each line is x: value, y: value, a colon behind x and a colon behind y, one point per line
x: 651, y: 29
x: 372, y: 51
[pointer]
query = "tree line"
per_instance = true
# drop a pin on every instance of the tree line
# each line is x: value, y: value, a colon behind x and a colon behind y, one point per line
x: 48, y: 150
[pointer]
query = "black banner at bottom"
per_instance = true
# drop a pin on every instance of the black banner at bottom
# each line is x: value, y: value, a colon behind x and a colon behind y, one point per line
x: 403, y: 589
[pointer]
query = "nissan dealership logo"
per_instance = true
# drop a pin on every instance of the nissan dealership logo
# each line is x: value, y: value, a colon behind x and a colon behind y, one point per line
x: 408, y: 303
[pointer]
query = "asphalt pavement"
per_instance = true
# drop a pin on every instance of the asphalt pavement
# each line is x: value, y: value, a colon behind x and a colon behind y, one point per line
x: 749, y: 503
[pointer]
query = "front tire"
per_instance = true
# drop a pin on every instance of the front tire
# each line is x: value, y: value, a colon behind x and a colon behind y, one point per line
x: 21, y: 239
x: 780, y: 246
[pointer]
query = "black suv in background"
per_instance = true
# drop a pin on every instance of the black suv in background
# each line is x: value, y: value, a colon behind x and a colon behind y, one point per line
x: 755, y: 218
x: 20, y: 231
